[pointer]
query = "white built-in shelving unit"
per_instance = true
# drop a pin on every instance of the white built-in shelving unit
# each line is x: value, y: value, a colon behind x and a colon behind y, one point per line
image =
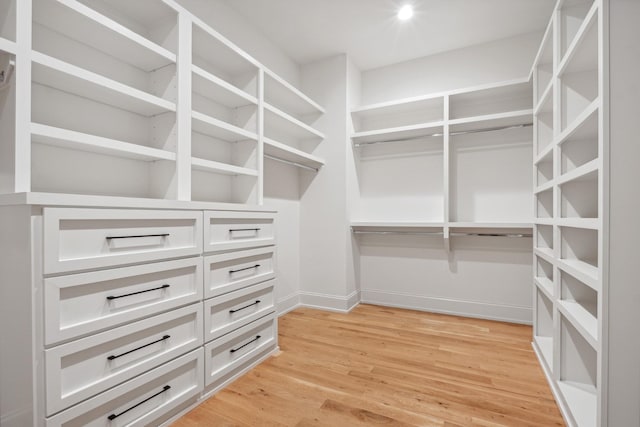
x: 568, y: 226
x: 423, y: 162
x: 157, y: 105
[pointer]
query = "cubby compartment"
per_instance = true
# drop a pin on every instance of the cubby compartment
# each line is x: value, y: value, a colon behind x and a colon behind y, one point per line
x: 579, y: 250
x: 280, y: 127
x: 577, y: 91
x: 56, y: 169
x: 572, y: 18
x: 544, y: 171
x: 221, y: 59
x: 579, y: 197
x: 7, y: 137
x: 282, y: 95
x: 491, y: 101
x: 8, y: 19
x: 490, y: 176
x: 579, y: 302
x: 544, y: 124
x: 544, y: 237
x: 402, y: 181
x: 211, y: 185
x: 578, y: 380
x: 84, y: 36
x: 543, y: 327
x: 543, y: 70
x: 544, y: 204
x: 581, y: 146
x: 405, y: 113
x: 544, y: 274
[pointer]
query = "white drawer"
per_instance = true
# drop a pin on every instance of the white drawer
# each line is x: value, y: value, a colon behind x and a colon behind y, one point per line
x: 237, y: 230
x: 230, y: 353
x: 225, y: 313
x: 235, y: 270
x: 80, y: 239
x: 146, y: 400
x: 86, y: 303
x: 86, y: 367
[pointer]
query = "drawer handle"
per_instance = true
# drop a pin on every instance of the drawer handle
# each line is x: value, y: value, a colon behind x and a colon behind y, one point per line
x: 114, y: 416
x: 246, y: 306
x: 110, y: 297
x: 112, y: 357
x: 244, y: 269
x: 233, y: 350
x: 138, y: 236
x: 232, y: 230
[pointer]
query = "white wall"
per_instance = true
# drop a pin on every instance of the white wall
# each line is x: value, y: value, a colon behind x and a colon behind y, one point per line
x: 475, y: 65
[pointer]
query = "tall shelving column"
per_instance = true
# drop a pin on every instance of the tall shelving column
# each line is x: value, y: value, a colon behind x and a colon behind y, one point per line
x: 569, y: 171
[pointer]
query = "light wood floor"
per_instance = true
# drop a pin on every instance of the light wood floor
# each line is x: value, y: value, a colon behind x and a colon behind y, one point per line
x: 390, y: 367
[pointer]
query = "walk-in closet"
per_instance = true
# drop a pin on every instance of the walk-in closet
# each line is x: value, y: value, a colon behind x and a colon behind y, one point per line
x: 319, y: 213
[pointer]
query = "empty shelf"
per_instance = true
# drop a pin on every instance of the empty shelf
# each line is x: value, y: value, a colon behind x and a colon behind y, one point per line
x: 490, y: 121
x: 399, y: 133
x: 545, y: 285
x: 221, y: 168
x: 581, y: 319
x: 582, y: 401
x: 60, y: 75
x: 281, y: 122
x: 57, y: 137
x: 219, y: 129
x: 282, y: 94
x: 220, y: 91
x: 583, y: 271
x: 290, y: 154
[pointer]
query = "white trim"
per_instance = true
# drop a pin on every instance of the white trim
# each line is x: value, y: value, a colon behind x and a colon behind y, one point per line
x: 338, y: 303
x: 287, y: 304
x: 480, y: 310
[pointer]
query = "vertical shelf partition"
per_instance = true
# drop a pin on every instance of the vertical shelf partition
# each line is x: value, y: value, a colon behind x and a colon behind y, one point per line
x: 568, y: 185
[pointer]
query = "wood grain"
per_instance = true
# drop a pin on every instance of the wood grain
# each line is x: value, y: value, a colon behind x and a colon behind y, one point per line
x: 390, y: 367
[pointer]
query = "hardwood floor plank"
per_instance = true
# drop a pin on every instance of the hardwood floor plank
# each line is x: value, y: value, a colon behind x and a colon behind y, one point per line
x: 391, y: 367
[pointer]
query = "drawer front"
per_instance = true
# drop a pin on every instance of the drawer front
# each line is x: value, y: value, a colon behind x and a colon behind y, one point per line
x: 232, y: 271
x: 80, y: 239
x: 237, y: 230
x: 228, y: 312
x: 146, y: 400
x: 86, y: 367
x: 233, y: 351
x: 86, y: 303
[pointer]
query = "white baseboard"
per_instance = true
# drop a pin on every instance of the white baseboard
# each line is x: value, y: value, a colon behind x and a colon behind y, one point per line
x: 287, y: 304
x: 501, y: 312
x: 340, y: 304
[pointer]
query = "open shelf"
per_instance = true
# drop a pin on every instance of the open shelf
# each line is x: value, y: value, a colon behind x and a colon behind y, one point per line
x: 401, y: 113
x: 290, y: 154
x: 544, y: 173
x: 80, y: 22
x: 399, y: 133
x: 579, y: 192
x: 578, y: 21
x: 492, y: 101
x: 396, y: 226
x: 544, y: 124
x: 543, y: 65
x: 221, y: 168
x: 284, y: 96
x: 543, y: 327
x: 219, y: 129
x: 578, y: 374
x: 544, y: 204
x: 213, y: 185
x: 543, y: 268
x: 57, y: 74
x: 278, y: 123
x: 219, y: 57
x: 7, y: 23
x: 492, y: 121
x: 581, y: 303
x: 7, y: 46
x: 586, y: 223
x: 543, y: 237
x: 216, y: 89
x: 43, y: 134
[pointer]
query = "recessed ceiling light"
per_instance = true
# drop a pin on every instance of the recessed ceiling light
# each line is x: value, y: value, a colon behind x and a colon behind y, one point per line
x: 405, y: 12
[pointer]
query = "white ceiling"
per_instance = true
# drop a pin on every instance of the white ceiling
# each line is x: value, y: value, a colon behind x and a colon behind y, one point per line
x: 368, y: 30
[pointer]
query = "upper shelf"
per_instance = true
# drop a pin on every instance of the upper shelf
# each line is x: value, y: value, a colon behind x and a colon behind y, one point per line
x: 283, y: 95
x: 79, y: 22
x: 399, y: 133
x: 219, y: 129
x: 492, y: 121
x: 291, y: 154
x: 219, y: 90
x: 7, y: 46
x: 60, y: 75
x: 399, y: 106
x: 280, y: 122
x: 582, y: 53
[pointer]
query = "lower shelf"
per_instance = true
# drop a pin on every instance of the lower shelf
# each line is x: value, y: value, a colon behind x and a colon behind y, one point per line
x: 581, y: 401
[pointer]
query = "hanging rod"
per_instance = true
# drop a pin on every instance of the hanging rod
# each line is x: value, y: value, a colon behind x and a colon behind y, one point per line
x: 433, y: 135
x: 440, y: 233
x: 289, y: 162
